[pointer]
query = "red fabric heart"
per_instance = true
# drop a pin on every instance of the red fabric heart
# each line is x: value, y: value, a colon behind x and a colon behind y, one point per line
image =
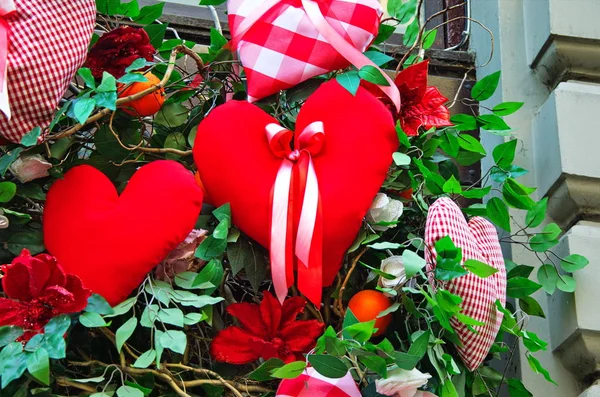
x: 111, y: 242
x: 478, y: 240
x: 283, y: 48
x: 237, y: 166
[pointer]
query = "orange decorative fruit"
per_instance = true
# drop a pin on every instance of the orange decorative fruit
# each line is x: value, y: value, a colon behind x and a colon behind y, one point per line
x: 366, y: 306
x: 147, y: 105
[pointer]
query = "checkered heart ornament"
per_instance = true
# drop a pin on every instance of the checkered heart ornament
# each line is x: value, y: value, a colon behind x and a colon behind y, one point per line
x: 478, y: 240
x: 42, y: 44
x: 282, y: 43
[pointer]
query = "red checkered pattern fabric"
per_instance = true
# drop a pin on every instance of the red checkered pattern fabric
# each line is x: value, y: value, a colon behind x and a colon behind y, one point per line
x: 478, y: 240
x: 312, y: 384
x: 48, y: 43
x: 283, y: 48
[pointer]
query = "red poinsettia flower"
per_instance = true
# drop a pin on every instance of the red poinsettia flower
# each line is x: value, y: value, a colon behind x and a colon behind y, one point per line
x: 116, y: 50
x: 267, y: 330
x: 37, y: 290
x: 422, y: 105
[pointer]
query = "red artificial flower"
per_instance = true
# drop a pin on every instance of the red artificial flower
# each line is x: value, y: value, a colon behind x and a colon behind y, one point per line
x: 37, y: 290
x: 267, y: 330
x: 422, y: 105
x: 116, y: 50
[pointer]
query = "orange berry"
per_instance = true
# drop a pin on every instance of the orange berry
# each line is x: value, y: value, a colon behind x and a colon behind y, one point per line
x: 406, y: 194
x: 366, y: 306
x: 147, y: 105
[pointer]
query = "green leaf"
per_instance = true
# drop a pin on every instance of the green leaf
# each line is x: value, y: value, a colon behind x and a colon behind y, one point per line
x: 574, y: 262
x: 374, y: 363
x: 194, y: 318
x: 149, y: 14
x: 411, y: 33
x: 245, y: 254
x: 38, y: 365
x: 8, y: 159
x: 58, y: 325
x: 401, y: 159
x: 406, y: 361
x: 92, y: 320
x: 485, y: 87
x: 124, y: 332
x: 108, y: 84
x: 349, y: 320
x: 471, y: 144
x: 476, y: 193
x: 448, y: 390
x: 507, y: 108
x: 174, y: 340
x: 480, y: 269
x: 531, y: 307
x: 378, y: 58
x: 402, y: 137
x: 520, y: 287
x: 385, y: 32
x: 448, y: 302
x: 403, y: 11
x: 413, y: 263
x: 221, y: 231
x: 504, y: 154
x: 263, y: 372
x: 548, y: 278
x: 385, y: 245
x: 566, y: 283
x: 516, y: 388
x: 429, y: 38
x: 145, y: 359
x: 211, y: 248
x: 132, y: 78
x: 329, y: 366
x: 467, y: 320
x: 9, y: 334
x: 122, y: 307
x: 172, y: 316
x: 31, y: 138
x: 448, y: 269
x: 360, y: 332
x: 491, y: 122
x: 537, y: 367
x: 520, y: 271
x: 13, y: 363
x: 106, y: 100
x: 464, y: 122
x: 88, y: 78
x: 515, y: 196
x: 82, y: 108
x: 176, y: 141
x: 372, y: 75
x: 349, y: 80
x: 537, y: 213
x: 172, y: 115
x: 498, y: 213
x: 452, y: 186
x: 546, y: 239
x: 131, y: 9
x: 97, y: 304
x: 128, y: 391
x: 156, y: 32
x: 7, y: 191
x: 289, y: 371
x: 211, y: 2
x: 419, y: 347
x: 217, y: 40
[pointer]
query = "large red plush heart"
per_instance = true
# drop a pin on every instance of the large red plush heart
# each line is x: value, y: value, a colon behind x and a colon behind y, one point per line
x: 111, y: 242
x: 478, y: 240
x: 283, y: 48
x: 237, y: 166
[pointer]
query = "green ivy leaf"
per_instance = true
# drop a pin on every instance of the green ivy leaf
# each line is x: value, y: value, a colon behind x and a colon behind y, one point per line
x: 38, y: 365
x: 82, y: 108
x: 31, y: 138
x: 548, y: 277
x: 520, y: 287
x: 413, y: 263
x: 289, y: 371
x: 480, y: 269
x: 211, y: 248
x: 372, y: 75
x: 374, y: 363
x: 349, y: 80
x: 329, y: 366
x: 504, y: 154
x: 476, y: 193
x: 448, y: 302
x: 263, y: 372
x: 452, y: 186
x: 131, y: 9
x: 13, y: 363
x: 58, y: 325
x: 149, y: 14
x: 566, y: 283
x: 172, y: 115
x: 360, y: 332
x: 108, y: 84
x: 87, y: 77
x: 145, y: 359
x: 531, y: 307
x: 97, y: 304
x: 385, y: 32
x: 537, y: 367
x: 406, y: 361
x: 156, y: 32
x: 498, y: 213
x: 9, y: 334
x: 573, y: 263
x: 507, y: 108
x: 486, y: 87
x: 536, y: 215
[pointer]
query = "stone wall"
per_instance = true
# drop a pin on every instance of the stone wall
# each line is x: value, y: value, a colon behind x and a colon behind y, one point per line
x: 549, y: 54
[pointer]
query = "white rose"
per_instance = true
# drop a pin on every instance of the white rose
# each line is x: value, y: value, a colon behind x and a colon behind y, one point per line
x: 395, y: 267
x: 402, y: 383
x: 3, y: 220
x: 28, y: 168
x: 384, y: 209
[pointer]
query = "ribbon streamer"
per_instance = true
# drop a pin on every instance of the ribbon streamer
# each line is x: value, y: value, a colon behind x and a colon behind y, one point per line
x: 309, y: 142
x: 347, y: 50
x: 7, y: 8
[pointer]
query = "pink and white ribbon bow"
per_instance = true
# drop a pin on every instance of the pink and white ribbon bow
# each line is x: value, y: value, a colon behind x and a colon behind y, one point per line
x: 343, y: 47
x: 308, y: 238
x: 7, y: 7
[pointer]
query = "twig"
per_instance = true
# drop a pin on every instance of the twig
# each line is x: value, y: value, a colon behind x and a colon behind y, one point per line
x: 64, y: 382
x: 343, y: 287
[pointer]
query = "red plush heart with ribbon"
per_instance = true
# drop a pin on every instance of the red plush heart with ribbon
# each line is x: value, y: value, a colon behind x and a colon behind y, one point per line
x: 244, y: 158
x: 282, y: 43
x: 42, y: 44
x: 111, y: 242
x: 478, y: 240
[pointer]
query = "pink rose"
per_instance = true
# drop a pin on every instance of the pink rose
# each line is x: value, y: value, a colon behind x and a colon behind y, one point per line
x: 182, y: 258
x: 28, y: 168
x: 403, y: 383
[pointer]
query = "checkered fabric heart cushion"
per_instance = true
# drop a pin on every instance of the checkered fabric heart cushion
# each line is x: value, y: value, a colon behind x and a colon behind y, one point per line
x: 283, y: 48
x: 48, y: 43
x: 478, y: 240
x: 312, y: 384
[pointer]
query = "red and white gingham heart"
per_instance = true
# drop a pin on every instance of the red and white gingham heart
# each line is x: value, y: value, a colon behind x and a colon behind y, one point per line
x: 48, y: 42
x: 283, y: 48
x: 478, y: 240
